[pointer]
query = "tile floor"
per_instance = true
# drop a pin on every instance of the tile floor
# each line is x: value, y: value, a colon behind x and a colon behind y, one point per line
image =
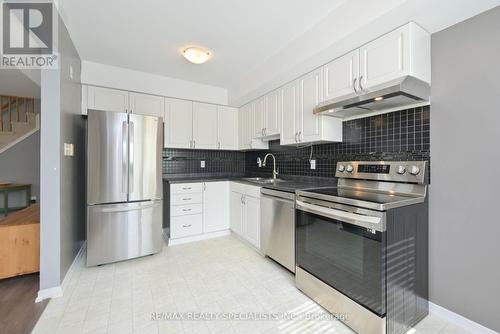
x: 221, y: 276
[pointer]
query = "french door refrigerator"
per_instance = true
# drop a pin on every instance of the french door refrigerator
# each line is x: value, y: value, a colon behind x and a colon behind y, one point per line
x: 124, y: 186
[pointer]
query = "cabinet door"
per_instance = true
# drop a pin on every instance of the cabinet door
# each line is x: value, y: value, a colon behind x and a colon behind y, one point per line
x: 289, y: 113
x: 204, y: 125
x: 273, y: 113
x: 227, y: 128
x: 236, y: 212
x: 149, y: 105
x: 258, y: 118
x: 385, y: 59
x: 215, y: 206
x: 107, y: 99
x: 251, y: 220
x: 178, y: 123
x: 340, y: 75
x: 310, y: 95
x: 244, y: 127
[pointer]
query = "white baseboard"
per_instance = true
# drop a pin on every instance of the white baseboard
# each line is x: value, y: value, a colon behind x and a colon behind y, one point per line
x: 179, y: 241
x: 457, y: 319
x: 58, y: 291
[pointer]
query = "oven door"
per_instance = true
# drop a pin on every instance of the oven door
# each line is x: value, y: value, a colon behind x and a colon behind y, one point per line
x: 343, y: 246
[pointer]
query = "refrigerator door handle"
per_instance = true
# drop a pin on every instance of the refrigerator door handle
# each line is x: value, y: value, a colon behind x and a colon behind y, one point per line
x: 131, y: 158
x: 124, y: 157
x: 126, y: 209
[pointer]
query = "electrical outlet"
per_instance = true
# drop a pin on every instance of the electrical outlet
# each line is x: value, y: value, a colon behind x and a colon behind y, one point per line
x: 313, y: 164
x: 202, y: 163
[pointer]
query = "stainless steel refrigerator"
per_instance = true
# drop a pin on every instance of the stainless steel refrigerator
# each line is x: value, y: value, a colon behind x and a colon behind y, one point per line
x: 124, y: 186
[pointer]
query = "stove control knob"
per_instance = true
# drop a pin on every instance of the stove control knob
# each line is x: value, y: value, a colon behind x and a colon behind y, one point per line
x: 401, y: 170
x: 415, y: 170
x: 349, y: 168
x: 341, y: 168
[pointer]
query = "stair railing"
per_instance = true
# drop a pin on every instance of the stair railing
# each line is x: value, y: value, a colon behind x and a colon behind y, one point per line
x: 10, y: 110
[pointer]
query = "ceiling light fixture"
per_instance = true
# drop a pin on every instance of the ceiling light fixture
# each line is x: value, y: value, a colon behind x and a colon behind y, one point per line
x: 380, y: 98
x: 196, y: 55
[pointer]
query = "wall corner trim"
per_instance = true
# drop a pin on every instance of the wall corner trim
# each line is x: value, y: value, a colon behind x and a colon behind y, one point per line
x: 457, y: 319
x: 58, y: 291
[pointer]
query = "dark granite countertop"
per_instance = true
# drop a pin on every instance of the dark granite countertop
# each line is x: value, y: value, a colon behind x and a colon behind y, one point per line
x: 285, y: 183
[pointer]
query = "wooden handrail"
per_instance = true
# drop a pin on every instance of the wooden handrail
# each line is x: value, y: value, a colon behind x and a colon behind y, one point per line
x: 7, y: 104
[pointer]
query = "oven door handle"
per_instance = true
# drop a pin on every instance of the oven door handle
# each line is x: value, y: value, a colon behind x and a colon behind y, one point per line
x: 374, y: 223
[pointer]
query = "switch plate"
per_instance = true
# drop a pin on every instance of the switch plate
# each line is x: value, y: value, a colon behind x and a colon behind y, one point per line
x: 202, y: 163
x: 69, y: 150
x: 313, y: 164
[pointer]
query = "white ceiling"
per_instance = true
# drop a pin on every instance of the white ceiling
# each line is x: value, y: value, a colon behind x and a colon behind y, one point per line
x: 257, y: 44
x: 149, y: 35
x: 14, y: 82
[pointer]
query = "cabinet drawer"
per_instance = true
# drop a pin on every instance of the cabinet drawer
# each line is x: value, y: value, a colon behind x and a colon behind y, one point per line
x: 186, y: 188
x: 185, y: 226
x: 186, y: 199
x: 182, y: 210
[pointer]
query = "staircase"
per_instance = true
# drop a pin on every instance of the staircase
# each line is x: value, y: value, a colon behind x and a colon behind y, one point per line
x: 18, y: 120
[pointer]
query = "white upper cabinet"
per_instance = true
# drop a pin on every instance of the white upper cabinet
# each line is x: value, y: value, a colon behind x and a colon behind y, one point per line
x: 149, y: 105
x: 227, y: 128
x: 107, y: 99
x: 310, y: 95
x: 289, y: 113
x: 272, y: 125
x: 178, y: 123
x: 341, y: 75
x: 246, y: 140
x: 205, y: 126
x: 404, y: 51
x: 259, y: 120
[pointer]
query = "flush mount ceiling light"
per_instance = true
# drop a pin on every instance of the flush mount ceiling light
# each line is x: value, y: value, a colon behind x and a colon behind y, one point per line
x: 380, y: 98
x: 196, y: 55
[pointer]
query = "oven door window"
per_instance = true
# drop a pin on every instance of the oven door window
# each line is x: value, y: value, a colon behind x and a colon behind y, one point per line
x: 347, y: 257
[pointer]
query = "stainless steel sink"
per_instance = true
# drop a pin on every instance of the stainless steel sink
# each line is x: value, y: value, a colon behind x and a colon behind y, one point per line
x: 262, y: 180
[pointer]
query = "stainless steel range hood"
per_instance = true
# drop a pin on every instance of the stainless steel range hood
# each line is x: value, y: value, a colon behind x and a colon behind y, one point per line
x: 402, y: 92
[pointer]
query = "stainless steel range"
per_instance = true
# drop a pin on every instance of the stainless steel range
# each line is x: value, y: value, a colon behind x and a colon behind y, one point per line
x: 362, y: 247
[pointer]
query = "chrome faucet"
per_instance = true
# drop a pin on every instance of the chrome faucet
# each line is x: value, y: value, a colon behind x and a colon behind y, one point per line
x: 275, y: 172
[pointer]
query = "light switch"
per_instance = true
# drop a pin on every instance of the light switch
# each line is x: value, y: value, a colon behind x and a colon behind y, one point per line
x: 202, y: 164
x: 69, y: 150
x: 313, y: 164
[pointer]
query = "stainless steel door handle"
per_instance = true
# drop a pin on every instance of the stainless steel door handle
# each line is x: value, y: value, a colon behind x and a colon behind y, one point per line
x: 354, y: 85
x: 343, y: 216
x: 300, y: 134
x: 360, y: 85
x: 124, y: 157
x: 194, y: 143
x: 204, y: 186
x: 186, y: 210
x: 186, y: 188
x: 125, y: 209
x: 187, y: 199
x: 189, y: 225
x: 131, y: 158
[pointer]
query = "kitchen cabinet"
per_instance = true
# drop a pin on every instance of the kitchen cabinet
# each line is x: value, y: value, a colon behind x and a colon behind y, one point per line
x: 272, y: 125
x: 148, y: 105
x: 198, y: 210
x: 215, y: 206
x: 399, y: 53
x: 245, y: 212
x: 107, y: 99
x: 341, y: 75
x: 299, y: 124
x: 205, y: 126
x: 178, y: 123
x: 245, y: 130
x: 289, y: 113
x: 227, y: 128
x: 259, y: 117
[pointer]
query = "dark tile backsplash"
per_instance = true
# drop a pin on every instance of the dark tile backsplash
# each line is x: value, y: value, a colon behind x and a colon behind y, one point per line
x: 181, y: 161
x: 400, y: 135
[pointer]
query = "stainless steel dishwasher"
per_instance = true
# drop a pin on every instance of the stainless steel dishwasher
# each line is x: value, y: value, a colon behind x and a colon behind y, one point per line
x: 278, y: 226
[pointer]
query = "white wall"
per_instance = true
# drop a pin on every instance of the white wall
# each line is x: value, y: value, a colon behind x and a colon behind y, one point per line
x: 126, y: 79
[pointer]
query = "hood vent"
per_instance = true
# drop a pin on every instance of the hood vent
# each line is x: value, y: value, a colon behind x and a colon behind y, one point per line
x: 398, y: 93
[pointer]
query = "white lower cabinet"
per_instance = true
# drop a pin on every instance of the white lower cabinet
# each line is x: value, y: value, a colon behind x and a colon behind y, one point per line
x: 198, y: 211
x: 245, y: 212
